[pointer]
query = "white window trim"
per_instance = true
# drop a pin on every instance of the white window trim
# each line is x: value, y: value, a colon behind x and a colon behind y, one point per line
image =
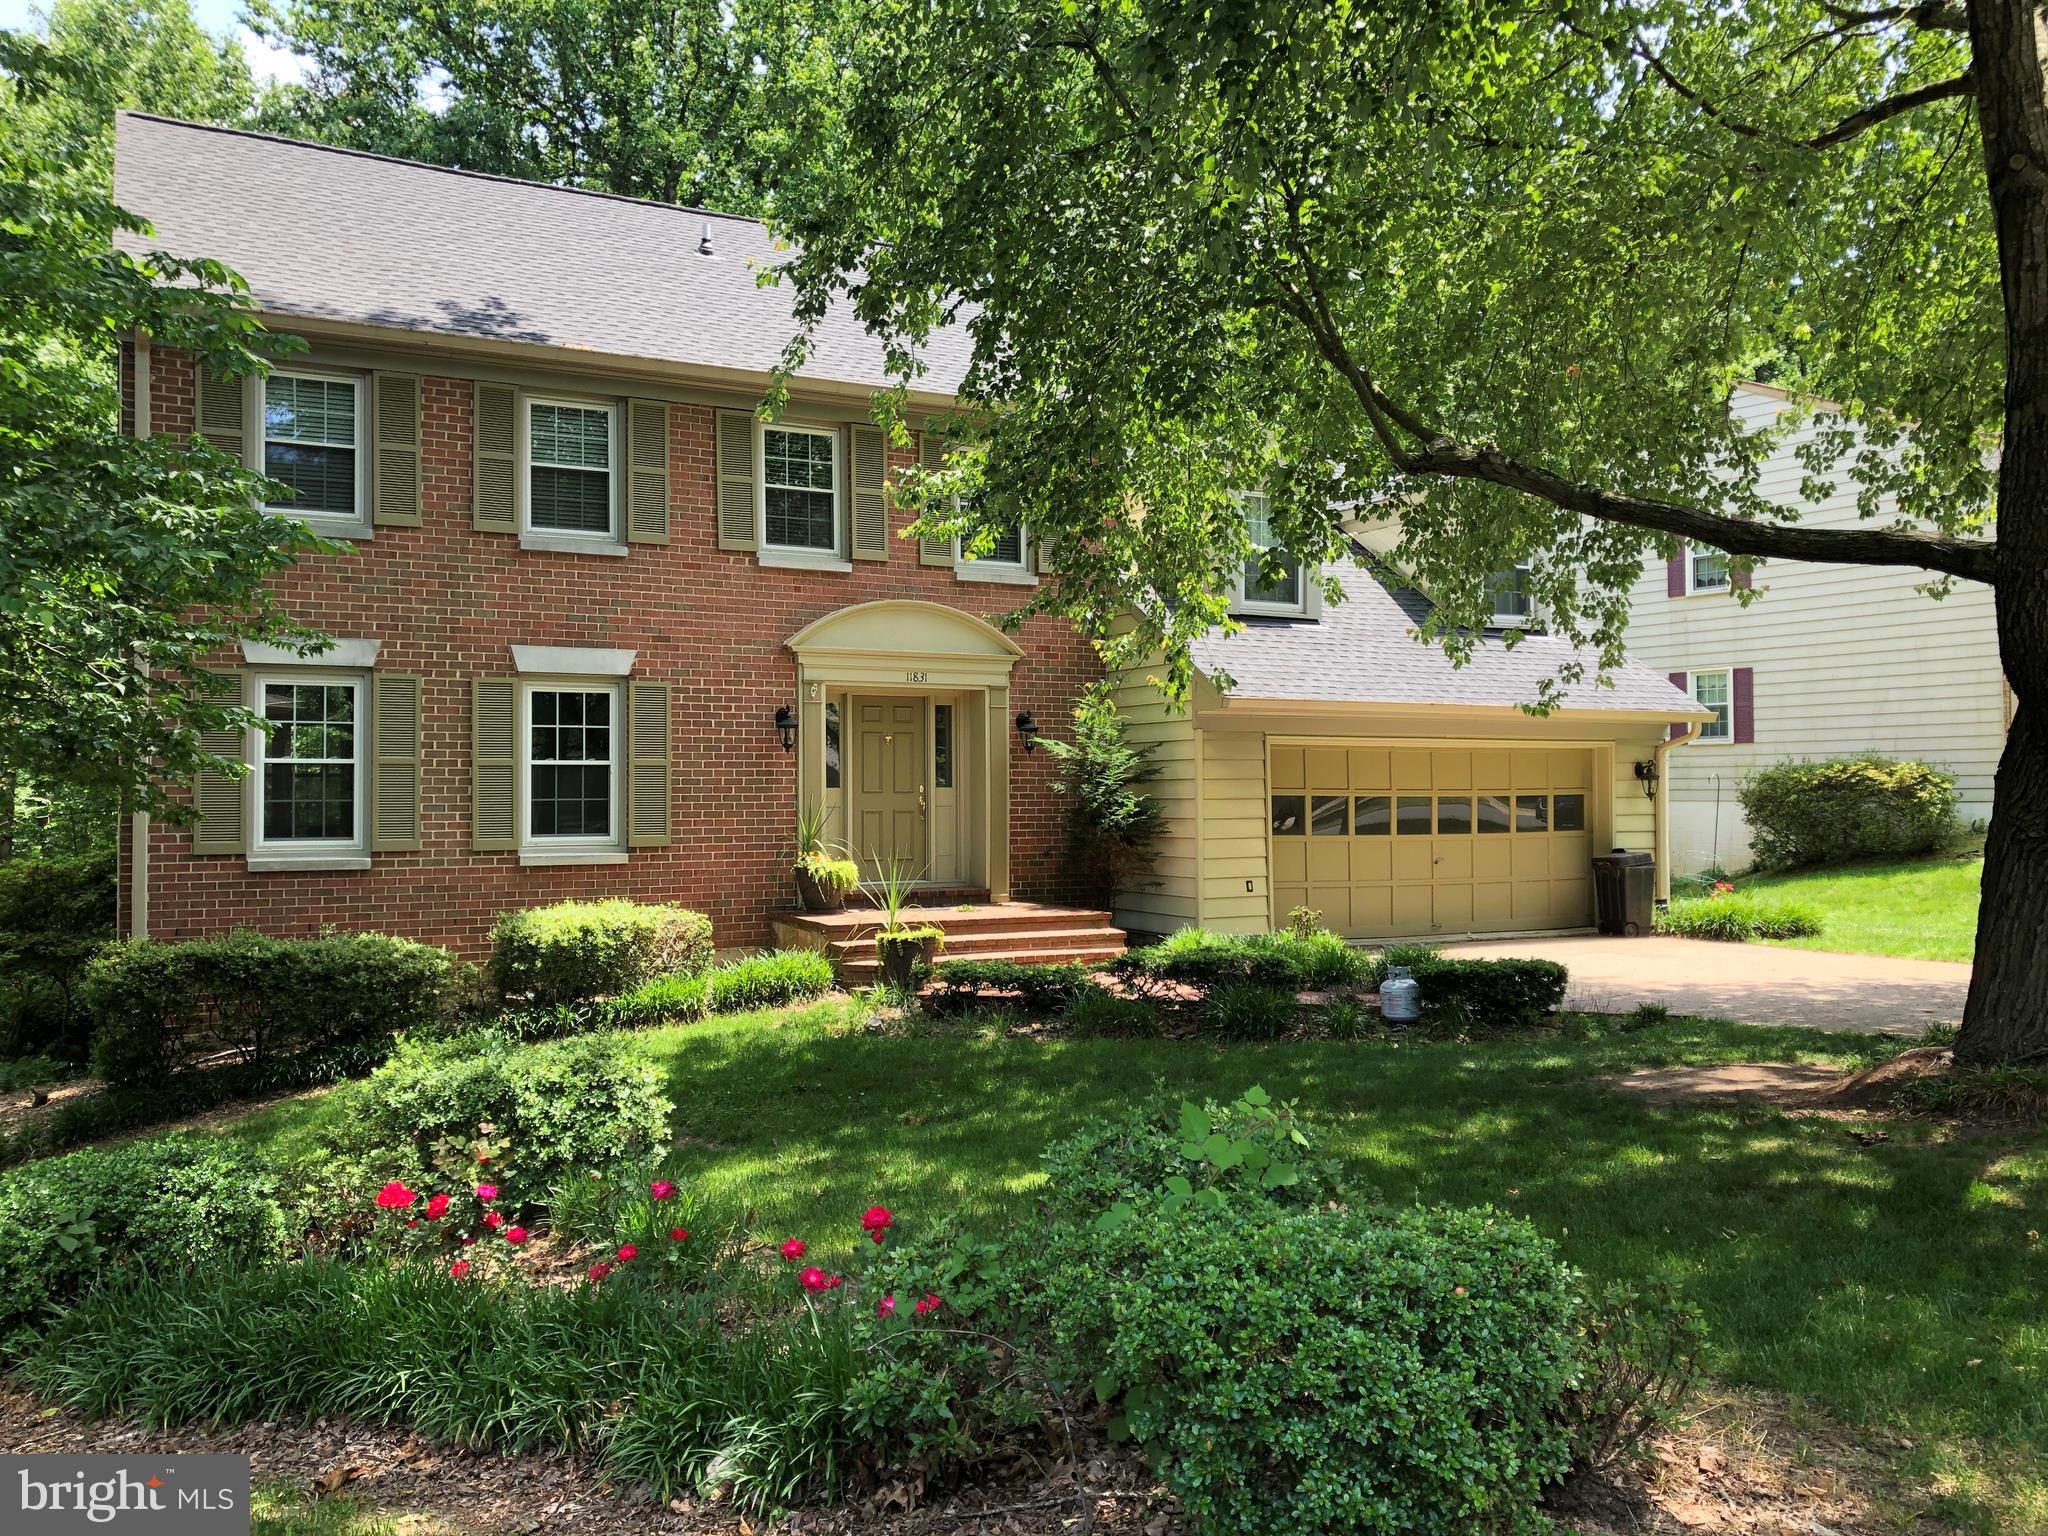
x: 562, y: 540
x: 302, y: 852
x: 569, y: 850
x: 1501, y: 620
x: 1011, y: 573
x: 356, y: 525
x: 837, y: 558
x: 1308, y: 606
x: 1692, y: 688
x: 1692, y: 586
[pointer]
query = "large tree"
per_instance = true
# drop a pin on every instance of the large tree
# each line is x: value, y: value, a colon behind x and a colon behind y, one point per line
x: 1497, y: 265
x: 125, y: 562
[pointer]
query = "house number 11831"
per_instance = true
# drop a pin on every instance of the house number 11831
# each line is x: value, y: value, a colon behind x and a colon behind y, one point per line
x: 914, y: 677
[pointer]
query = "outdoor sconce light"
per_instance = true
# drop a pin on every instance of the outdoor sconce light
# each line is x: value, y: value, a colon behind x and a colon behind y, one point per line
x: 1646, y: 771
x: 785, y: 723
x: 1028, y: 729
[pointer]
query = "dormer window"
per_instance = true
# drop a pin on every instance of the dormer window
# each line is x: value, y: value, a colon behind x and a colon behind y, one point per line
x: 1508, y: 597
x: 1287, y: 594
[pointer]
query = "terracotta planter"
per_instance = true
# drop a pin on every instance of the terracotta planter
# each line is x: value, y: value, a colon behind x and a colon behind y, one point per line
x: 902, y: 956
x: 816, y: 896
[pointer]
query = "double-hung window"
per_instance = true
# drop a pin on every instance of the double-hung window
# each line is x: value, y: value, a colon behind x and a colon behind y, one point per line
x: 572, y: 469
x: 800, y: 490
x: 313, y: 443
x: 571, y: 766
x: 1000, y: 559
x: 1259, y: 593
x: 310, y: 789
x: 1508, y: 598
x: 1713, y: 689
x: 1706, y: 570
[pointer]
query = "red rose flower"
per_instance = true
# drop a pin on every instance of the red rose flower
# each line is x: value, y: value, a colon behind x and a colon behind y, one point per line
x: 929, y: 1304
x: 661, y: 1189
x: 680, y: 1234
x: 792, y: 1250
x: 413, y: 1223
x: 493, y: 1220
x: 436, y: 1208
x: 628, y: 1253
x: 468, y: 1238
x: 599, y: 1270
x: 833, y: 1282
x: 515, y: 1235
x: 813, y: 1279
x: 487, y: 1191
x: 876, y: 1220
x: 395, y: 1197
x: 886, y: 1308
x: 459, y: 1270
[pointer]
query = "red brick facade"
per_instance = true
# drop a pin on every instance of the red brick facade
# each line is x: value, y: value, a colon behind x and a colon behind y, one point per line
x: 447, y: 601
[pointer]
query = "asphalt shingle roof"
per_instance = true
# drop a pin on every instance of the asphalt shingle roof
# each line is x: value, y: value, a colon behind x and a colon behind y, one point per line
x: 1363, y: 651
x: 333, y: 234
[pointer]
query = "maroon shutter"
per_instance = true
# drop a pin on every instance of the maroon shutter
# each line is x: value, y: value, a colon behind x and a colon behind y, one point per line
x: 1678, y: 727
x: 1743, y: 692
x: 1674, y: 575
x: 1738, y: 578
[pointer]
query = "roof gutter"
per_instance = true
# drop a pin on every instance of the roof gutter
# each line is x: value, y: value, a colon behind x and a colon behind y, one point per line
x: 1660, y: 813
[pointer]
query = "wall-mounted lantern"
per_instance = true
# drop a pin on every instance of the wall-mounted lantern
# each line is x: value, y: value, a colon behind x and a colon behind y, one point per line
x: 785, y: 725
x: 1028, y: 729
x: 1646, y: 774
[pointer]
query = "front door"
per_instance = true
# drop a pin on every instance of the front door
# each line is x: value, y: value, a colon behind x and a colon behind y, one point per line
x: 888, y: 785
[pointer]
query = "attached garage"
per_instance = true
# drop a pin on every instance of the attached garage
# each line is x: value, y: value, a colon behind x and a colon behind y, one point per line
x: 1350, y: 770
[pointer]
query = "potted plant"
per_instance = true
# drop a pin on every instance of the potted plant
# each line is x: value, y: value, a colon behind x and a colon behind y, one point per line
x: 823, y: 878
x: 901, y: 951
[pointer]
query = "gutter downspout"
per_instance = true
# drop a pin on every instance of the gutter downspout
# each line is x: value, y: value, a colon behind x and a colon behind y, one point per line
x: 1660, y: 814
x: 138, y: 823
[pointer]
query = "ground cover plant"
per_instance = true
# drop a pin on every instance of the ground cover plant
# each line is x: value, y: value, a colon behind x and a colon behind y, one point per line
x: 1727, y: 913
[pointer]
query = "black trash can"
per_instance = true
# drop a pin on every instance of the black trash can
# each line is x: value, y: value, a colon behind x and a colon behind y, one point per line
x: 1624, y: 892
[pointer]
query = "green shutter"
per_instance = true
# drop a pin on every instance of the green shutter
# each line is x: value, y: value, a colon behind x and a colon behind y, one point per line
x: 735, y: 480
x: 394, y: 763
x: 222, y: 802
x: 869, y: 476
x: 648, y: 776
x: 223, y: 415
x: 493, y: 765
x: 931, y: 452
x: 495, y: 471
x: 1039, y: 558
x: 646, y: 472
x: 395, y: 490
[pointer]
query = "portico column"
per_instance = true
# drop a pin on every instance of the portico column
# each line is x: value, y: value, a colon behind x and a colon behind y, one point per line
x: 810, y: 740
x: 998, y: 819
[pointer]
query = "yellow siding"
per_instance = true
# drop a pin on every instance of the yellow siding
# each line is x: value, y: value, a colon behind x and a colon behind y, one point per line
x: 1235, y: 894
x: 1171, y: 899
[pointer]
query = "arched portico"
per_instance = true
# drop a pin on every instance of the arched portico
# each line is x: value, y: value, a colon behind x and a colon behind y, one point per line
x: 903, y: 715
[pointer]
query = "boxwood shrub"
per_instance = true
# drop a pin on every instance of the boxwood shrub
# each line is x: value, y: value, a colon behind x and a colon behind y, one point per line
x: 67, y: 1221
x: 576, y: 950
x: 535, y: 1111
x: 958, y: 985
x: 1300, y: 1372
x: 1846, y: 808
x: 159, y: 1008
x: 1478, y: 996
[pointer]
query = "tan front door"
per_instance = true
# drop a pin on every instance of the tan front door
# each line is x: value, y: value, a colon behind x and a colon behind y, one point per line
x: 1420, y: 842
x: 889, y: 792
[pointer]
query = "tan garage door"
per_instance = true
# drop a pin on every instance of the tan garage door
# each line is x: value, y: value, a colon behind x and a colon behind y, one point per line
x: 1390, y: 842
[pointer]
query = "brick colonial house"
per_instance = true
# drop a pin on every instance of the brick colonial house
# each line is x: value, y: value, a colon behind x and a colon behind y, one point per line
x: 602, y: 631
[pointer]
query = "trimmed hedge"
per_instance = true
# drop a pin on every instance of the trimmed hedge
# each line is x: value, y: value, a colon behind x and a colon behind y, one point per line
x: 1202, y: 959
x: 537, y: 1112
x: 1846, y: 808
x: 958, y: 985
x: 1297, y: 1373
x: 159, y: 1008
x: 158, y: 1205
x: 574, y: 951
x: 1479, y: 996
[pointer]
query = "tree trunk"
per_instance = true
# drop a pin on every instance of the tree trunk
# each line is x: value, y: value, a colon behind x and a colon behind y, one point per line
x: 2006, y: 1018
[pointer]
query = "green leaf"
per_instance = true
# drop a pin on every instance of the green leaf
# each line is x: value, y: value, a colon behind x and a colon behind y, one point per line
x: 1194, y: 1123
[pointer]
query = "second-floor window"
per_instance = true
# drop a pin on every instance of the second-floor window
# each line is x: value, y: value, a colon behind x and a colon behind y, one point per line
x: 800, y: 489
x: 1281, y: 594
x: 1706, y: 570
x: 1713, y: 690
x: 570, y: 451
x: 1508, y: 596
x: 311, y: 441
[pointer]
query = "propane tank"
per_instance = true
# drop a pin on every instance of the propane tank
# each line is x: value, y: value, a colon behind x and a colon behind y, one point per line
x: 1400, y: 996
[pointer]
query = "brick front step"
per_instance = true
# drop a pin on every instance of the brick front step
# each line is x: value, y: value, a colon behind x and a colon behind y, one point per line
x: 1027, y: 933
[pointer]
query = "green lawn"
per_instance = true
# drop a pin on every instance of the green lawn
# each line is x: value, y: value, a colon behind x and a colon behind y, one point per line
x: 1894, y: 1285
x: 1925, y: 909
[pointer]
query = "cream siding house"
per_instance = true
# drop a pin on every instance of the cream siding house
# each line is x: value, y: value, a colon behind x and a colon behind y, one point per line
x: 1350, y: 769
x: 1824, y: 661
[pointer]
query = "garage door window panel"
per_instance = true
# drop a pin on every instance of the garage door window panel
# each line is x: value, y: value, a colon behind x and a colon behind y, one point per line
x: 1374, y: 815
x: 1454, y: 816
x: 1290, y: 815
x: 1532, y: 813
x: 1327, y: 815
x: 1568, y: 813
x: 1495, y: 813
x: 1411, y: 816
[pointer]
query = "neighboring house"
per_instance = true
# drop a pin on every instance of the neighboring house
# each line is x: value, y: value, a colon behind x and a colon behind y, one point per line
x: 603, y: 631
x: 1824, y: 661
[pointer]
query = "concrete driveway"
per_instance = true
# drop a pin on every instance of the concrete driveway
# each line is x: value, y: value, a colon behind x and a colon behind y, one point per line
x: 1754, y: 983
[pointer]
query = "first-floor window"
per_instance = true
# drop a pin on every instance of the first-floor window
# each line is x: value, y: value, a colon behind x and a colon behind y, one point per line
x: 311, y: 783
x: 1710, y: 690
x: 570, y: 764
